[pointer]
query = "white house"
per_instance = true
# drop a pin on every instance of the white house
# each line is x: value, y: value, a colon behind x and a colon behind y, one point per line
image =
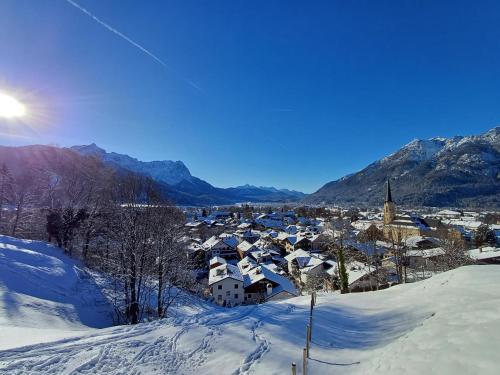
x: 226, y: 285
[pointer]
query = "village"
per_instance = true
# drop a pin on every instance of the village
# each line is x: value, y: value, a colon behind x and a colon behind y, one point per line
x: 247, y: 255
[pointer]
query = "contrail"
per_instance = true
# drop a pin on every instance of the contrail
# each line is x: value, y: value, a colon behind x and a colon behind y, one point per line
x: 135, y: 44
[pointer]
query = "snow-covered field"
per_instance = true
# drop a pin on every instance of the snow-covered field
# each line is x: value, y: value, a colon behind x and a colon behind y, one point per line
x: 448, y: 324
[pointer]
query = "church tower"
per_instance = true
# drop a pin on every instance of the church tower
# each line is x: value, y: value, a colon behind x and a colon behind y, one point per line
x: 389, y: 206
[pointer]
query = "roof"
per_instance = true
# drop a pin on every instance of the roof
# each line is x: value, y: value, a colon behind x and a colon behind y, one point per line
x: 484, y: 253
x: 227, y: 239
x: 426, y: 253
x: 225, y: 271
x: 356, y: 270
x: 245, y: 246
x: 305, y: 260
x: 263, y: 272
x: 216, y: 260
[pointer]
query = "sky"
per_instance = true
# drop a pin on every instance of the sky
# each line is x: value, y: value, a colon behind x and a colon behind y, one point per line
x: 276, y: 93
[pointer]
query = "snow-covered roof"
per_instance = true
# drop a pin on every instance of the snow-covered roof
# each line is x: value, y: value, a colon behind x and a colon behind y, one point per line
x: 223, y: 272
x: 305, y: 260
x: 485, y: 253
x: 356, y: 270
x: 426, y: 253
x: 263, y: 272
x: 216, y: 260
x: 245, y: 246
x: 227, y: 239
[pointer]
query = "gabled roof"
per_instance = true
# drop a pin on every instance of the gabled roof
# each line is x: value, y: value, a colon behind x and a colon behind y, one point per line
x: 263, y: 272
x: 227, y: 239
x: 224, y: 271
x: 245, y: 246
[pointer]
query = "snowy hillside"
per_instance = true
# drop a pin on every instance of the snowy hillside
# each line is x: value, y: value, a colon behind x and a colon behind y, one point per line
x: 445, y: 325
x: 45, y: 295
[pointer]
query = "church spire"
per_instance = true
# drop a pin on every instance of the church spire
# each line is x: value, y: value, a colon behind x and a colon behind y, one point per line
x: 388, y: 195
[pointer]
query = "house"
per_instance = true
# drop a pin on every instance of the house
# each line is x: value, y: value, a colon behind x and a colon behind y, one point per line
x: 318, y: 242
x: 486, y: 255
x: 226, y: 285
x: 262, y: 283
x: 244, y: 247
x: 424, y: 258
x: 293, y: 243
x: 306, y: 263
x: 248, y: 235
x: 361, y: 276
x: 221, y: 246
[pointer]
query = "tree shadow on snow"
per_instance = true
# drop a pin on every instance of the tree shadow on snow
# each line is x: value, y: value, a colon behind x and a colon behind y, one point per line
x: 340, y: 327
x: 47, y: 274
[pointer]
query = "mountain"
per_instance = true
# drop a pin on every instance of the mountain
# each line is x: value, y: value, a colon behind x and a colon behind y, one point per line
x: 264, y: 193
x: 455, y: 172
x: 184, y: 188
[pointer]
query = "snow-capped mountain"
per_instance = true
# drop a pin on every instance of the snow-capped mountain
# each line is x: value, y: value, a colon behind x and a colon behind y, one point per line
x: 184, y: 188
x: 168, y: 171
x: 457, y: 171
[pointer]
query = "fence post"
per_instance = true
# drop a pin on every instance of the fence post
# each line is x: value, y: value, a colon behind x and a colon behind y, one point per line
x: 304, y: 361
x: 308, y: 338
x: 294, y: 368
x: 313, y: 303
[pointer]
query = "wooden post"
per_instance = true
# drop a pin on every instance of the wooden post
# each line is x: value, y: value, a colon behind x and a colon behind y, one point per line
x: 308, y: 337
x: 294, y: 368
x: 304, y: 361
x: 311, y: 317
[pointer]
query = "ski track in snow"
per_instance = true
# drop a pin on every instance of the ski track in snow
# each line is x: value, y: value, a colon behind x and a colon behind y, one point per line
x: 122, y: 351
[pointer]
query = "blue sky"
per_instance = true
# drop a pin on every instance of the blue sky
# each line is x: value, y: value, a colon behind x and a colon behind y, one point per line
x: 284, y: 93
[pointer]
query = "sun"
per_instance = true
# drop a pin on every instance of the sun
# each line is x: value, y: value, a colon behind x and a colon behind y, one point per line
x: 10, y: 107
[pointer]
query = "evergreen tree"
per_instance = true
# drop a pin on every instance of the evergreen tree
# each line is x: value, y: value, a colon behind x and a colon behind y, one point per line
x: 343, y: 275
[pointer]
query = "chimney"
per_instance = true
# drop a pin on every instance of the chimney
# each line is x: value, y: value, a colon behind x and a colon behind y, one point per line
x: 269, y: 288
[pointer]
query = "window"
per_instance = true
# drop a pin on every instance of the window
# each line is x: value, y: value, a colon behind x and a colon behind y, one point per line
x: 235, y: 286
x: 249, y: 296
x: 219, y: 297
x: 228, y: 293
x: 219, y: 287
x: 236, y: 296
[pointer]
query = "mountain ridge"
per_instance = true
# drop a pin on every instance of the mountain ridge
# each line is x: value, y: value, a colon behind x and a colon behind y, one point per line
x: 184, y: 187
x: 460, y: 171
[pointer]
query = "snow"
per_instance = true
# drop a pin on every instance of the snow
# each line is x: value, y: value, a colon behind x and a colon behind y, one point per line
x: 224, y: 271
x: 447, y: 324
x: 484, y: 253
x: 45, y: 295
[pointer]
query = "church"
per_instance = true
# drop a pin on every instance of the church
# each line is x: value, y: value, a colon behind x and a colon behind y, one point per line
x: 399, y: 227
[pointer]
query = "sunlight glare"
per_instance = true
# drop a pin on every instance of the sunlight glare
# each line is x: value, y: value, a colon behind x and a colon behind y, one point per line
x: 11, y: 107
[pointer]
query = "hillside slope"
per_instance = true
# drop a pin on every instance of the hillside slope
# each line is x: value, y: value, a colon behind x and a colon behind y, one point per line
x: 444, y: 325
x: 458, y: 171
x: 45, y: 295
